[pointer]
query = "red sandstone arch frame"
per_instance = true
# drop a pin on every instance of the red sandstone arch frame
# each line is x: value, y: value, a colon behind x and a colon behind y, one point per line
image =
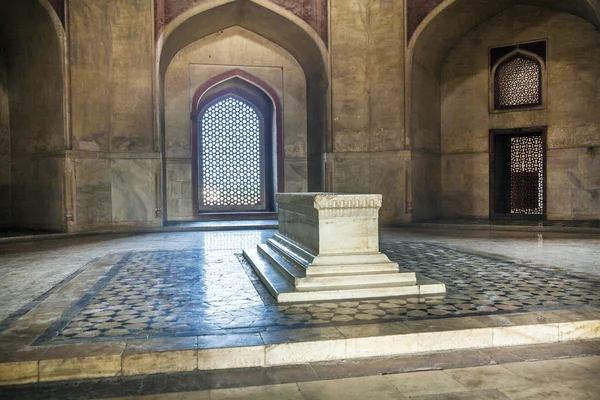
x: 275, y: 24
x: 427, y: 50
x: 198, y: 104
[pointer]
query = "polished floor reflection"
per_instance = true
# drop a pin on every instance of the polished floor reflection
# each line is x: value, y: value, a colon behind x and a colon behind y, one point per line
x: 204, y: 287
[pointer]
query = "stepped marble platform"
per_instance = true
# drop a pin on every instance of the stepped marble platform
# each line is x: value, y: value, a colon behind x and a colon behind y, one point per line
x: 327, y: 248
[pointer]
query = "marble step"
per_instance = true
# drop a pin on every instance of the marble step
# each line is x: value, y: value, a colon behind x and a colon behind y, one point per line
x: 297, y: 275
x: 348, y: 293
x: 358, y: 264
x: 576, y: 330
x: 342, y: 281
x: 273, y: 279
x: 286, y: 292
x: 291, y: 271
x: 325, y: 284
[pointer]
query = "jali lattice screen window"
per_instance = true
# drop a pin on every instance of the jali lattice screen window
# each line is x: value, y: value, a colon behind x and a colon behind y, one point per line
x: 527, y: 175
x: 518, y: 83
x: 231, y: 157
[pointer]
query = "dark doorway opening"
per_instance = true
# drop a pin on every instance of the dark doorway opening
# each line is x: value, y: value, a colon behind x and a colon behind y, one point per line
x: 518, y: 174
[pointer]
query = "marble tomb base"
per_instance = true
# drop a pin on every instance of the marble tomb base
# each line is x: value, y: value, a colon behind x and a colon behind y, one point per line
x: 327, y: 248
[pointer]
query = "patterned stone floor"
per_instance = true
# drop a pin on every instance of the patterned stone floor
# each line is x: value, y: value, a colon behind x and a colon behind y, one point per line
x: 211, y: 290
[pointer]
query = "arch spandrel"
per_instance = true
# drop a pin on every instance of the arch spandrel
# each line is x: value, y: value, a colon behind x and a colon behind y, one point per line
x: 258, y: 16
x: 420, y: 10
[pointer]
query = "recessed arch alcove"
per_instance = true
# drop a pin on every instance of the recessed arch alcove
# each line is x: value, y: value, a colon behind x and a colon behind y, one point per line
x: 33, y: 116
x: 255, y: 22
x: 455, y: 25
x: 243, y: 97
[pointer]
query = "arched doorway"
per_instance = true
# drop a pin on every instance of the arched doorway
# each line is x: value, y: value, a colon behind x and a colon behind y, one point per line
x: 285, y: 33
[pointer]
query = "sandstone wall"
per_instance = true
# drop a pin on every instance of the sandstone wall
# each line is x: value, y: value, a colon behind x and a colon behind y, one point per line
x: 234, y: 48
x: 369, y: 151
x: 116, y: 165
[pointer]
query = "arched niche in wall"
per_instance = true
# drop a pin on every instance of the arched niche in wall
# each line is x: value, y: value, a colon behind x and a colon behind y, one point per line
x: 271, y: 23
x: 236, y: 98
x: 427, y: 51
x: 33, y: 42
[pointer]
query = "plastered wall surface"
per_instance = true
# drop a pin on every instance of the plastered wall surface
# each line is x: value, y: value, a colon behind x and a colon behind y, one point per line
x: 4, y: 146
x: 116, y: 169
x: 369, y: 149
x: 234, y: 48
x: 572, y: 113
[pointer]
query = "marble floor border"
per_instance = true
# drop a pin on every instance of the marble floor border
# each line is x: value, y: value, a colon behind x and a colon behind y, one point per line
x: 185, y: 382
x: 21, y: 364
x: 6, y: 322
x: 78, y: 305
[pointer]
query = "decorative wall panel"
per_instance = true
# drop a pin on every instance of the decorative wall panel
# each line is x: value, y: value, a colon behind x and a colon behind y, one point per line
x: 313, y: 12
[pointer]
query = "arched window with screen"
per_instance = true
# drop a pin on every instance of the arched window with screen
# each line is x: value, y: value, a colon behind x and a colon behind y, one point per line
x: 518, y: 82
x: 235, y: 142
x: 232, y: 144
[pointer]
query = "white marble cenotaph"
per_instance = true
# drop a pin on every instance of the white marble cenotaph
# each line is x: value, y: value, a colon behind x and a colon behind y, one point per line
x: 327, y: 248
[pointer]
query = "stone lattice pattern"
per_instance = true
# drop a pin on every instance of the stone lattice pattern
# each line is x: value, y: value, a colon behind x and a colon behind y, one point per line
x: 202, y: 292
x: 518, y: 83
x: 231, y: 155
x: 527, y: 175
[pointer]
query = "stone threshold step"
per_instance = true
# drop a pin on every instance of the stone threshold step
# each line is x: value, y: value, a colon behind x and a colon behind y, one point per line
x: 291, y: 347
x: 188, y: 384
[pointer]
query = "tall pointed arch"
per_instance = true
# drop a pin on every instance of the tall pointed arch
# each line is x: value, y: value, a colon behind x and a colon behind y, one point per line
x: 275, y: 24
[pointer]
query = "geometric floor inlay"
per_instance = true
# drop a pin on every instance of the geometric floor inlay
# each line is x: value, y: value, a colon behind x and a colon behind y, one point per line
x: 208, y: 292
